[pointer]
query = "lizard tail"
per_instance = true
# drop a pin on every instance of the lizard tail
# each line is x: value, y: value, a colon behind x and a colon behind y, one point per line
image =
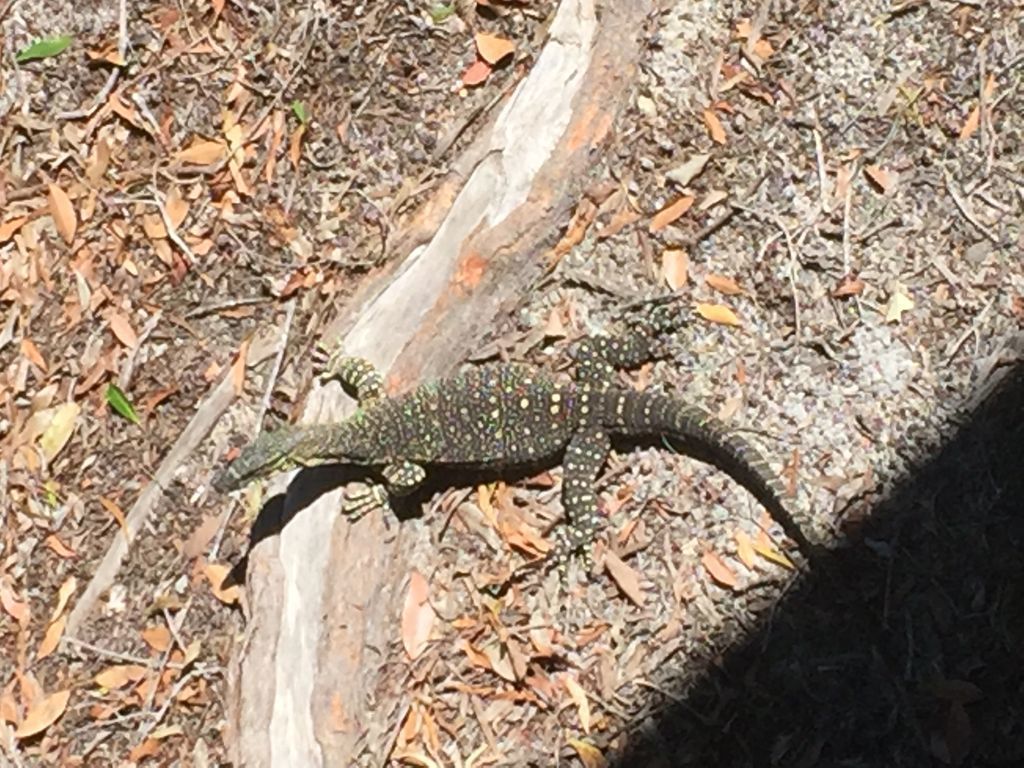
x: 707, y: 438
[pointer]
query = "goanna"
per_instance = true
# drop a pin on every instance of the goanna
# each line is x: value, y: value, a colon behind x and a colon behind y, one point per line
x: 510, y: 414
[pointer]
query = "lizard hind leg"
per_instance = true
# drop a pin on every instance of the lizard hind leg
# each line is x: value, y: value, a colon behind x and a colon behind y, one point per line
x: 355, y: 373
x: 584, y: 457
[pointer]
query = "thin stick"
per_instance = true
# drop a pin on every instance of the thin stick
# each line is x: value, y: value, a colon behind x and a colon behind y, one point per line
x: 966, y: 211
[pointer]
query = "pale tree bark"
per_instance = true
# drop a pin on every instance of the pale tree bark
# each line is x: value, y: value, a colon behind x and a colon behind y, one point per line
x: 325, y: 594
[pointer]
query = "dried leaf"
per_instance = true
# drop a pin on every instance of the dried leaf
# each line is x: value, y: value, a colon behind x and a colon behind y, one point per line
x: 492, y: 48
x: 149, y: 747
x: 765, y: 548
x: 899, y: 303
x: 675, y: 267
x: 714, y: 126
x: 719, y: 570
x: 176, y: 207
x: 59, y: 429
x: 417, y: 616
x: 59, y: 547
x: 745, y: 549
x: 32, y: 354
x: 51, y: 639
x: 117, y: 513
x: 670, y: 213
x: 43, y: 713
x: 63, y: 213
x: 974, y: 118
x: 713, y: 198
x: 67, y: 589
x: 718, y: 313
x: 590, y: 756
x: 884, y: 181
x: 723, y: 284
x: 17, y: 609
x: 122, y: 330
x: 579, y: 697
x: 843, y: 178
x: 157, y: 637
x: 203, y: 153
x: 477, y: 73
x: 627, y: 579
x: 295, y: 145
x: 849, y: 286
x: 238, y: 369
x: 689, y: 170
x: 10, y: 227
x: 217, y: 574
x: 120, y: 675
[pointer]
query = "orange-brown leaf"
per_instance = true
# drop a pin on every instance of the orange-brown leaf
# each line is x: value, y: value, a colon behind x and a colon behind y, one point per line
x: 723, y: 284
x: 238, y: 369
x: 745, y: 549
x: 590, y: 756
x: 9, y: 227
x: 884, y: 181
x: 157, y: 637
x: 59, y: 547
x: 627, y: 579
x: 850, y: 286
x: 476, y: 73
x: 67, y: 589
x: 18, y: 609
x: 718, y: 313
x: 675, y: 267
x: 116, y: 512
x: 120, y: 675
x: 63, y: 213
x: 32, y: 354
x: 176, y: 207
x: 203, y: 153
x: 217, y: 574
x: 670, y: 213
x: 43, y: 713
x: 715, y: 129
x: 493, y: 48
x: 719, y: 570
x: 974, y: 117
x: 579, y: 697
x: 417, y: 616
x: 122, y: 329
x: 51, y: 638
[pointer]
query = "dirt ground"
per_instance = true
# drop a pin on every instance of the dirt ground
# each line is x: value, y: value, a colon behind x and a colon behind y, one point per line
x: 836, y: 190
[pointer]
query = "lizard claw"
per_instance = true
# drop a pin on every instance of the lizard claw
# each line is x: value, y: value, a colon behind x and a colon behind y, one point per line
x: 363, y: 498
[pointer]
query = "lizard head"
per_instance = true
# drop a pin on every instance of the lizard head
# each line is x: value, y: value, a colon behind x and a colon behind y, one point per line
x: 271, y: 452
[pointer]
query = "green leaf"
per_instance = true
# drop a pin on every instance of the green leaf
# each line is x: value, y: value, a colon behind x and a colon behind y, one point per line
x: 441, y: 12
x: 43, y: 48
x: 119, y: 402
x: 300, y: 111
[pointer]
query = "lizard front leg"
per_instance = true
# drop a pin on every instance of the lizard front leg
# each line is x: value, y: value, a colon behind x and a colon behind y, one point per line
x: 400, y: 479
x: 584, y: 457
x: 355, y: 373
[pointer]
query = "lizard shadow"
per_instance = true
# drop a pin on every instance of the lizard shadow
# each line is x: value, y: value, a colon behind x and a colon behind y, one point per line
x: 911, y: 658
x: 311, y: 483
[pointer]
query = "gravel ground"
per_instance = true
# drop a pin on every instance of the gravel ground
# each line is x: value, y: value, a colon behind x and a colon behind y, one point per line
x: 858, y: 211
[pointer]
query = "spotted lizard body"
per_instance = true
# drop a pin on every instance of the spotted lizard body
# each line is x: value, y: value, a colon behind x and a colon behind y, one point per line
x: 509, y: 414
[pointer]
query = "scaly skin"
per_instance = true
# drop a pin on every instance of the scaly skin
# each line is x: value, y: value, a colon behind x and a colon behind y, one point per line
x: 507, y: 414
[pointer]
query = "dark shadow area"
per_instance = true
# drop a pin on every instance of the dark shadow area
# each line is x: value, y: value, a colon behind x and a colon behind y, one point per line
x: 914, y: 656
